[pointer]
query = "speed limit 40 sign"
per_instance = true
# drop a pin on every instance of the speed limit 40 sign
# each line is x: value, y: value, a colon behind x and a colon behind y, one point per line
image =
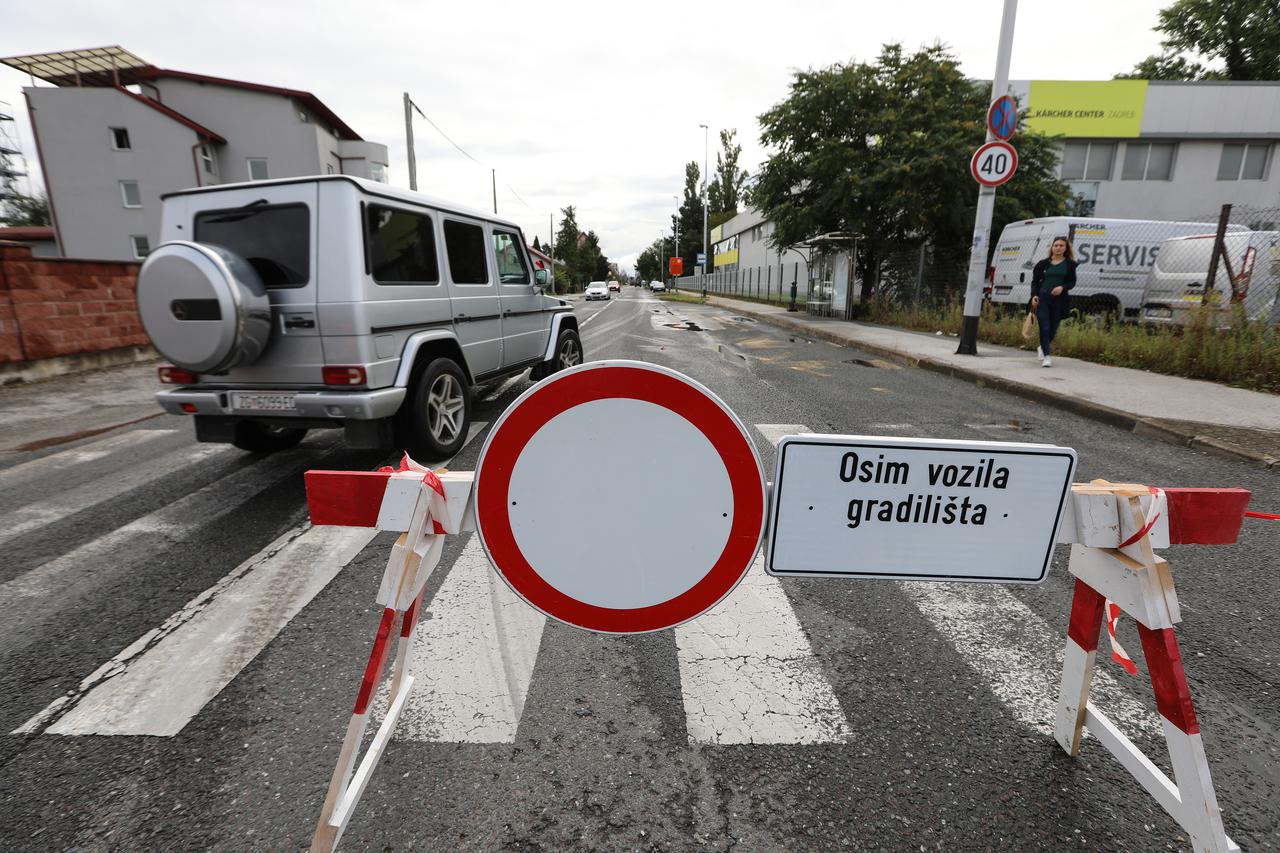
x: 994, y: 163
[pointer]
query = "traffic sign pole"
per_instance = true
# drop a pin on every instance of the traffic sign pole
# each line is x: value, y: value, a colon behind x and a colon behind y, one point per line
x: 986, y: 199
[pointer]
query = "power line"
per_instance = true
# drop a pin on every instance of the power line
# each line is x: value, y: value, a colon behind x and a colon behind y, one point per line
x: 464, y: 151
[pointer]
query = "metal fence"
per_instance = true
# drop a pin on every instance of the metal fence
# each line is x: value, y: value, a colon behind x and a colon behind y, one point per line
x: 770, y: 284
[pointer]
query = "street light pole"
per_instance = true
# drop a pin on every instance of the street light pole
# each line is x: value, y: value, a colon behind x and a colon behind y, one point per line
x: 705, y: 180
x: 986, y: 199
x: 678, y: 253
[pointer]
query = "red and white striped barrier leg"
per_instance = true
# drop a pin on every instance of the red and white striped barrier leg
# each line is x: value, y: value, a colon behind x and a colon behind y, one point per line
x: 1198, y: 810
x: 1077, y: 668
x: 344, y: 788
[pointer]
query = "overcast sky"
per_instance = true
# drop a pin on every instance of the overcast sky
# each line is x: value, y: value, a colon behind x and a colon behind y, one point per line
x: 591, y: 104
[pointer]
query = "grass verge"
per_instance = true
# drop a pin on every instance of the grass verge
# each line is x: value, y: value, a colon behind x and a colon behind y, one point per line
x: 1246, y: 355
x: 681, y: 297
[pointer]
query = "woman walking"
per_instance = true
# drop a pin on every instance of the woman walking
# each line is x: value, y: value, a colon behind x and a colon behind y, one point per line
x: 1051, y: 282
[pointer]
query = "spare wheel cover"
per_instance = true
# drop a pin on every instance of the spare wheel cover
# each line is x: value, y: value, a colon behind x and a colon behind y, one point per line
x: 204, y: 307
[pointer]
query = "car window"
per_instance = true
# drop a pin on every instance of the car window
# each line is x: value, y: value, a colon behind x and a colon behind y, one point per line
x: 401, y: 245
x: 511, y: 264
x: 464, y: 244
x: 274, y: 239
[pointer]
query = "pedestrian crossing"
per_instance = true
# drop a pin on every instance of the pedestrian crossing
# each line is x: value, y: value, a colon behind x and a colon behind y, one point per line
x: 747, y: 670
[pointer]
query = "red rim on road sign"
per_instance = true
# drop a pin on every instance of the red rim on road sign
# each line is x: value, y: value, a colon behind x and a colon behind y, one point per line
x: 1002, y: 118
x: 994, y: 163
x: 620, y: 497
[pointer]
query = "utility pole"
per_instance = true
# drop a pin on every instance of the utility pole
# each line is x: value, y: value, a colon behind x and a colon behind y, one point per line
x: 493, y: 173
x: 408, y: 136
x: 678, y: 253
x: 551, y: 217
x: 706, y: 178
x: 986, y: 199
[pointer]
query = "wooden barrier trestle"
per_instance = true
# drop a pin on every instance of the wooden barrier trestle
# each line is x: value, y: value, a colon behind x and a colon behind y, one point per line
x: 1115, y: 529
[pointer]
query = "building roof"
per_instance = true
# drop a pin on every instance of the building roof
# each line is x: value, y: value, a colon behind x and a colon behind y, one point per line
x: 94, y: 66
x: 26, y: 233
x: 200, y: 129
x: 115, y: 66
x: 308, y: 100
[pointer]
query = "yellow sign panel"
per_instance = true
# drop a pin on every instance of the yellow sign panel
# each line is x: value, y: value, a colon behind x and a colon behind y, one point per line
x: 725, y: 258
x: 1084, y: 108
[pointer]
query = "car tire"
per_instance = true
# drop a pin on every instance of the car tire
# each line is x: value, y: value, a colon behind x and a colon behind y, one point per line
x: 568, y: 351
x: 432, y: 424
x: 264, y: 438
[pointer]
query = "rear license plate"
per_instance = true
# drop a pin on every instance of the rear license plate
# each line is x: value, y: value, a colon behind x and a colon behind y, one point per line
x: 264, y: 402
x: 1160, y: 313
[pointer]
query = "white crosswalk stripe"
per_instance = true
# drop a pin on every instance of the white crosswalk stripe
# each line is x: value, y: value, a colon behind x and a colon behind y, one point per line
x: 25, y: 472
x: 747, y: 672
x: 86, y: 495
x: 164, y: 678
x: 474, y: 658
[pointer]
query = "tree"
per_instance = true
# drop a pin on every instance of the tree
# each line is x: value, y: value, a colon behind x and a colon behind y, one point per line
x: 580, y: 252
x: 880, y: 151
x: 725, y: 189
x: 690, y: 216
x: 536, y: 245
x: 1242, y: 35
x: 25, y: 210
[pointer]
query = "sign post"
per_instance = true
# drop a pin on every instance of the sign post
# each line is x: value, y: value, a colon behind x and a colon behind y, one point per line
x: 986, y: 199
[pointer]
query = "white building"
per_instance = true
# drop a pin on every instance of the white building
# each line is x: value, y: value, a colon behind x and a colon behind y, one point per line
x: 114, y: 133
x: 1139, y: 149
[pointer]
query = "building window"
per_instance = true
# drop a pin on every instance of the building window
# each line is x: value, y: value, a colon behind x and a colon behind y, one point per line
x: 1147, y: 161
x: 401, y: 246
x: 257, y: 168
x: 1243, y: 162
x: 1087, y: 161
x: 378, y: 172
x: 130, y: 194
x: 207, y: 162
x: 141, y: 246
x: 120, y: 139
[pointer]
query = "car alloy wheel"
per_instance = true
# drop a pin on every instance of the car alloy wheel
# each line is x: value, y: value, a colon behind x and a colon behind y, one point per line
x: 570, y: 353
x: 446, y: 409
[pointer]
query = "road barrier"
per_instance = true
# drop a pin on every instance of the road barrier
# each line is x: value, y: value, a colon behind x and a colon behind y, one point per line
x: 1114, y: 530
x: 425, y: 506
x: 1018, y: 503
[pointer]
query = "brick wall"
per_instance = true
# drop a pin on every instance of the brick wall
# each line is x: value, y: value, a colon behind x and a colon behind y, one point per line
x: 53, y: 307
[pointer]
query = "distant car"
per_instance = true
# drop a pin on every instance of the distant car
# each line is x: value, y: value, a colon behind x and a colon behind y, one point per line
x: 614, y: 287
x: 657, y: 287
x: 597, y: 290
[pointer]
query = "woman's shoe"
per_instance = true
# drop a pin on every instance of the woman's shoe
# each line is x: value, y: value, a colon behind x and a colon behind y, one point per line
x: 1039, y: 352
x: 1048, y: 362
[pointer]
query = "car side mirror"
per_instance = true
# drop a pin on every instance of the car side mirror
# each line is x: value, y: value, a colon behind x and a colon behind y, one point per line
x: 540, y: 278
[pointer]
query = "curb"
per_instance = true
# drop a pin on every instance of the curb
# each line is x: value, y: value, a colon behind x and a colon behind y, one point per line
x: 1127, y: 421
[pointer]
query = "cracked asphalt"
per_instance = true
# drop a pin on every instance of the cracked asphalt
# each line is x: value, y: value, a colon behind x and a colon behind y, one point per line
x: 940, y: 690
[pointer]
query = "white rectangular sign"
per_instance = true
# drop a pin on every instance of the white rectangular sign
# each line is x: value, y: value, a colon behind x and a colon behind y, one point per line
x: 916, y: 508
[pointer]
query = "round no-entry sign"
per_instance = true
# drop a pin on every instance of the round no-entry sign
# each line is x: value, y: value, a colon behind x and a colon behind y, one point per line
x: 620, y: 497
x: 994, y: 163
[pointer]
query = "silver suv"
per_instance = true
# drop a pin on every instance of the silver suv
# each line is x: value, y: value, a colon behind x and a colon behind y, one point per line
x: 332, y: 301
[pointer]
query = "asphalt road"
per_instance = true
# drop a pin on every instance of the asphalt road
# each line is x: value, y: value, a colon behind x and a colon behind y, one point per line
x: 179, y: 651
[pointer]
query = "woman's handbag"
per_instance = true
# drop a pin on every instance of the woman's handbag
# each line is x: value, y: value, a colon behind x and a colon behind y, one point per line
x: 1028, y: 326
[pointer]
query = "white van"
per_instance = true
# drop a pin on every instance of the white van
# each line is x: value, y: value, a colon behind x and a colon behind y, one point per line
x: 1115, y: 256
x: 1176, y: 284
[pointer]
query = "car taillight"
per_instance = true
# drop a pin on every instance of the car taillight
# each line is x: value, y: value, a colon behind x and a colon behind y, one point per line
x: 341, y: 375
x: 171, y: 375
x: 189, y: 408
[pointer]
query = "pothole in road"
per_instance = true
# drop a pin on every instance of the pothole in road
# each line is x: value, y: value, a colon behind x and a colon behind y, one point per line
x: 687, y: 326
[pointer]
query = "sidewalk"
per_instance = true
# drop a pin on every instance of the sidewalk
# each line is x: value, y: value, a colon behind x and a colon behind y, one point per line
x: 1189, y: 412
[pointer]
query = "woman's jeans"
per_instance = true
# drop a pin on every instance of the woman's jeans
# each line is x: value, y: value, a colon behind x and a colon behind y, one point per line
x: 1049, y: 314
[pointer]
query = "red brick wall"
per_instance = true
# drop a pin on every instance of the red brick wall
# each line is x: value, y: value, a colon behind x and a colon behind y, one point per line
x: 59, y: 306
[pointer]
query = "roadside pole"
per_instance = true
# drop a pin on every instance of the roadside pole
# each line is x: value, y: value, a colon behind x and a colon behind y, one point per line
x: 705, y: 178
x: 986, y: 199
x: 551, y: 217
x: 408, y: 137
